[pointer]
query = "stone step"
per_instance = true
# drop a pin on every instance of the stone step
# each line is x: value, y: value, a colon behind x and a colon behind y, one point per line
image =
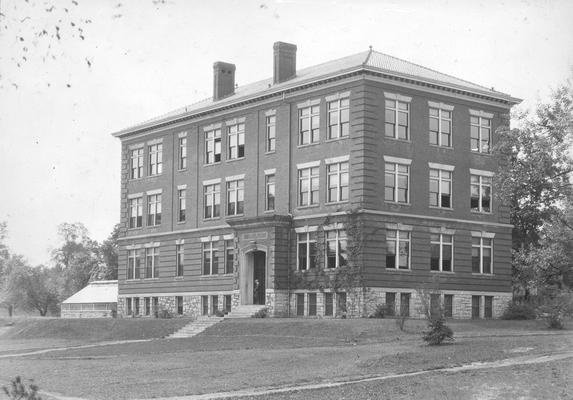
x: 195, y: 327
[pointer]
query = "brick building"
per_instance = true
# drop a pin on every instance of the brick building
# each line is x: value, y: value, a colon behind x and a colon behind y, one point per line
x: 318, y: 192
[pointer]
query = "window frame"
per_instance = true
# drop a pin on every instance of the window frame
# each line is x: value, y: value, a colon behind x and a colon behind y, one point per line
x: 338, y: 177
x: 235, y: 196
x: 136, y: 157
x: 440, y: 179
x: 212, y: 139
x: 211, y: 247
x: 481, y: 246
x: 229, y: 256
x: 182, y: 153
x: 396, y: 174
x: 479, y: 126
x: 441, y: 243
x: 236, y: 133
x: 312, y: 114
x: 155, y: 154
x: 133, y: 264
x: 268, y: 186
x: 271, y: 133
x: 135, y: 221
x: 151, y: 255
x: 179, y: 259
x: 154, y: 209
x: 312, y: 177
x: 395, y: 111
x: 441, y: 119
x: 342, y: 112
x: 181, y: 205
x: 310, y: 257
x: 211, y: 196
x: 397, y: 239
x: 340, y: 244
x: 481, y: 189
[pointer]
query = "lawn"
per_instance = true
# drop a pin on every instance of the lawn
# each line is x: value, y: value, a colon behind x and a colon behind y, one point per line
x: 240, y: 354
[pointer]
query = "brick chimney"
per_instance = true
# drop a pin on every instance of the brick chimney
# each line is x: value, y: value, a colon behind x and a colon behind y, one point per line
x: 284, y: 62
x: 223, y: 80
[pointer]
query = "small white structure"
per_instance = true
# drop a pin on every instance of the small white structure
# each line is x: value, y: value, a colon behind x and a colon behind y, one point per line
x: 97, y: 300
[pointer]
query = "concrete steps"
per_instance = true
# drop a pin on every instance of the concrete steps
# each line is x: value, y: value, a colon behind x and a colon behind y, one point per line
x: 244, y: 311
x: 195, y: 327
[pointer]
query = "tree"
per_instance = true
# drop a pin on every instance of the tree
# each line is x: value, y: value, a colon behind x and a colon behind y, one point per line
x: 109, y: 255
x: 39, y: 286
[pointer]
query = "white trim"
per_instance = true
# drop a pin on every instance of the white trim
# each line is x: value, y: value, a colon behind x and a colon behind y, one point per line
x: 397, y: 160
x: 235, y: 121
x: 310, y: 164
x: 334, y: 160
x: 306, y: 229
x: 399, y: 97
x: 181, y: 187
x: 133, y: 247
x: 184, y: 294
x: 442, y: 230
x: 179, y: 241
x: 441, y: 106
x: 444, y: 167
x: 270, y: 171
x: 270, y: 113
x: 210, y: 238
x: 182, y: 134
x: 479, y: 113
x: 338, y: 96
x: 335, y: 226
x: 155, y: 141
x: 212, y: 127
x: 177, y: 232
x: 308, y: 103
x: 136, y: 146
x: 134, y: 195
x: 481, y: 172
x: 152, y: 192
x: 211, y: 181
x: 151, y: 244
x: 230, y: 236
x: 483, y: 234
x: 399, y: 227
x: 234, y: 178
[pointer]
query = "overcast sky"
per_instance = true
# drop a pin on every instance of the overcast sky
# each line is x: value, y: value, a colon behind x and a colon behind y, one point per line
x: 142, y: 58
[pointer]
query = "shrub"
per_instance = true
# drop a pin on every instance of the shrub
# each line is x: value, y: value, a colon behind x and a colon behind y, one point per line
x: 519, y: 311
x: 165, y: 314
x: 556, y: 308
x: 219, y: 313
x: 383, y: 310
x: 262, y: 313
x: 18, y: 390
x: 432, y: 307
x: 438, y: 332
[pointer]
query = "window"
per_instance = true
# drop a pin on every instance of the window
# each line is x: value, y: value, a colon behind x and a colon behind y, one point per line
x: 179, y: 304
x: 475, y: 307
x: 338, y: 118
x: 308, y: 125
x: 135, y: 212
x: 128, y: 306
x: 212, y: 200
x: 482, y: 259
x: 210, y: 258
x: 435, y: 304
x: 155, y: 304
x: 440, y: 127
x: 300, y: 304
x: 269, y: 192
x: 397, y: 119
x: 397, y: 249
x: 405, y: 304
x: 307, y: 251
x: 155, y: 159
x: 312, y: 304
x: 337, y: 181
x: 136, y: 157
x: 328, y: 304
x: 391, y: 303
x: 146, y: 306
x: 480, y: 200
x: 442, y: 252
x: 236, y: 141
x: 340, y: 303
x: 213, y: 146
x: 182, y: 152
x: 227, y: 303
x: 204, y: 305
x: 480, y: 132
x: 133, y: 264
x: 180, y: 259
x: 229, y: 256
x: 182, y: 204
x: 488, y: 307
x: 397, y: 177
x: 214, y: 304
x: 235, y: 197
x: 151, y: 262
x: 136, y: 305
x: 336, y: 255
x: 448, y: 305
x: 440, y: 188
x: 308, y: 186
x: 154, y: 209
x: 271, y: 133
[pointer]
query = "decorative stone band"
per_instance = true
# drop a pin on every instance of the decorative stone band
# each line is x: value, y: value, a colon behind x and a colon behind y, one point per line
x: 399, y: 97
x: 444, y: 167
x: 442, y: 106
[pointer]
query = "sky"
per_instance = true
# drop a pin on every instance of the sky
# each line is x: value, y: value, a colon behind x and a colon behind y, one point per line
x: 60, y: 99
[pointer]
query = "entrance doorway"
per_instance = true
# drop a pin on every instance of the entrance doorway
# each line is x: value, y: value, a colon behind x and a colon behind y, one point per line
x: 253, y: 277
x: 259, y: 267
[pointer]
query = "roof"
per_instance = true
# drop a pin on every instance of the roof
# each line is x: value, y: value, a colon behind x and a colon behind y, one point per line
x: 95, y: 292
x: 368, y: 60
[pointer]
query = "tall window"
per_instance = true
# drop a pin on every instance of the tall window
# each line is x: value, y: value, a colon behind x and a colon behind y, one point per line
x: 271, y: 132
x: 440, y: 127
x: 397, y: 249
x: 213, y: 146
x: 155, y: 159
x: 300, y: 304
x: 397, y: 120
x: 480, y: 200
x: 480, y: 130
x: 391, y: 303
x: 307, y: 251
x: 154, y: 209
x: 236, y: 141
x: 482, y: 255
x: 476, y: 307
x: 133, y: 264
x: 308, y: 125
x: 338, y: 118
x: 269, y: 192
x: 336, y: 244
x: 488, y: 306
x: 229, y: 256
x: 210, y: 258
x: 147, y: 305
x: 179, y: 304
x: 328, y: 304
x: 182, y: 204
x: 151, y: 262
x: 308, y: 186
x: 136, y: 212
x: 337, y: 181
x: 397, y: 177
x: 136, y: 157
x: 312, y: 304
x: 180, y: 259
x: 128, y: 305
x: 212, y: 200
x: 235, y: 197
x: 448, y: 305
x: 440, y: 188
x: 442, y: 252
x: 405, y: 304
x: 182, y: 153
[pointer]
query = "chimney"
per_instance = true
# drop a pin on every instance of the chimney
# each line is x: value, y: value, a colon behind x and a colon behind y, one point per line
x: 284, y: 62
x: 223, y: 80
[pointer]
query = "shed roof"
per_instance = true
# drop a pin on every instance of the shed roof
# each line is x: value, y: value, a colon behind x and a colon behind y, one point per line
x: 95, y: 292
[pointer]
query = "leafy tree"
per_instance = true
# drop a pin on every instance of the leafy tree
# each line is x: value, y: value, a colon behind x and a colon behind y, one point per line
x: 39, y: 286
x: 109, y: 255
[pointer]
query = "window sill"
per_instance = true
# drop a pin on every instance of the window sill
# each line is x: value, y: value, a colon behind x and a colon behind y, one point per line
x: 270, y: 152
x: 442, y: 272
x: 211, y: 164
x: 182, y: 170
x: 479, y: 153
x: 211, y: 219
x: 398, y: 140
x: 178, y: 278
x: 337, y: 139
x: 481, y: 212
x: 235, y: 159
x: 300, y: 146
x: 307, y: 207
x: 482, y: 274
x: 448, y: 209
x: 398, y: 269
x: 437, y: 146
x: 150, y: 279
x: 269, y: 211
x: 139, y: 228
x: 181, y: 222
x: 136, y: 179
x: 153, y: 176
x: 395, y: 203
x: 234, y: 216
x: 334, y: 203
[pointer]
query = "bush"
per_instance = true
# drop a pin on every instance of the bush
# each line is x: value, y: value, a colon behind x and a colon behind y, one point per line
x: 519, y: 311
x: 262, y: 313
x: 19, y: 391
x: 219, y: 313
x: 382, y: 311
x: 438, y: 332
x: 556, y: 308
x: 165, y: 314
